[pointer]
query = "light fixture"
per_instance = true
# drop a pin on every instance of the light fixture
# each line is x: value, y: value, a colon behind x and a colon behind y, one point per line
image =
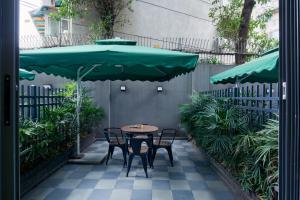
x: 159, y: 88
x: 48, y: 86
x: 123, y: 88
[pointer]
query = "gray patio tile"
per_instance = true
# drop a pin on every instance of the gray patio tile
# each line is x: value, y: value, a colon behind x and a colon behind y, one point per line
x: 123, y: 194
x: 162, y: 195
x: 94, y: 175
x: 160, y: 175
x: 69, y: 167
x: 177, y: 176
x: 223, y: 196
x: 203, y: 195
x: 50, y: 183
x: 124, y: 184
x: 175, y: 169
x: 85, y: 168
x: 161, y: 184
x: 141, y: 194
x: 189, y: 169
x: 142, y: 184
x: 192, y: 177
x: 78, y: 174
x: 216, y: 186
x: 69, y: 183
x: 79, y: 194
x: 58, y: 194
x: 99, y: 168
x: 182, y: 195
x: 179, y: 185
x: 161, y: 168
x: 105, y: 184
x: 100, y: 194
x: 87, y: 184
x: 61, y: 174
x: 198, y: 185
x: 211, y: 177
x: 111, y: 175
x: 38, y: 193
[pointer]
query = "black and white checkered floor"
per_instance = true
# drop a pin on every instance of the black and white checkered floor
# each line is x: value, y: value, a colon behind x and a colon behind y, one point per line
x: 190, y: 178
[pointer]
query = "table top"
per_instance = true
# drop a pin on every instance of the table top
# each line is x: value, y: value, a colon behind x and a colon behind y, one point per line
x: 139, y: 128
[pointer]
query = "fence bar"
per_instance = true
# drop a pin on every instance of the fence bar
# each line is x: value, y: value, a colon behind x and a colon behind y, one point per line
x: 250, y: 100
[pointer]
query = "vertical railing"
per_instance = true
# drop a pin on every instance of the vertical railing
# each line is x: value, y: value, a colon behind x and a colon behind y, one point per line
x: 34, y: 100
x: 258, y: 101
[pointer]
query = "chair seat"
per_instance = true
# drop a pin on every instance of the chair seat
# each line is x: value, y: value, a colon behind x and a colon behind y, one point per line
x: 115, y: 142
x: 163, y: 143
x: 144, y: 149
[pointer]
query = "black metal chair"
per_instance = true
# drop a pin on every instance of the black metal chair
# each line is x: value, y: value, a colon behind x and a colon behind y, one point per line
x: 137, y: 149
x: 148, y: 139
x: 165, y: 140
x: 115, y: 138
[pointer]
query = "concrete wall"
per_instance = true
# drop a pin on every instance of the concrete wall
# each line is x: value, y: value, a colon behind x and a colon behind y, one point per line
x: 141, y: 103
x: 169, y: 18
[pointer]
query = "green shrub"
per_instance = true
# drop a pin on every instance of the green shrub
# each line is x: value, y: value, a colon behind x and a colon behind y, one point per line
x: 220, y: 129
x: 56, y: 131
x: 90, y: 116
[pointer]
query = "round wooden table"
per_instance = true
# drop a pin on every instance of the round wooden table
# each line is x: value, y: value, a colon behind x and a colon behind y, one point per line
x: 144, y: 129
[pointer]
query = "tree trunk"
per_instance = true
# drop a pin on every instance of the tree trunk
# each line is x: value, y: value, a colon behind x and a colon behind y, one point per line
x: 240, y: 45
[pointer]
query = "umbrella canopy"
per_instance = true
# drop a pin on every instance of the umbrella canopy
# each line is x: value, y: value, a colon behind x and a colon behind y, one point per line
x: 111, y: 62
x: 263, y: 69
x: 108, y: 60
x: 23, y: 74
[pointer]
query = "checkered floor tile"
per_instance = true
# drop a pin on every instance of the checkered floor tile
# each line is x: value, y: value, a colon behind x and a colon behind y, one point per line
x: 191, y: 178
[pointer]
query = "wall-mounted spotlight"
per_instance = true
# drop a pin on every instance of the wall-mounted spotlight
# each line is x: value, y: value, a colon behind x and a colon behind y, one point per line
x: 159, y: 88
x: 123, y: 88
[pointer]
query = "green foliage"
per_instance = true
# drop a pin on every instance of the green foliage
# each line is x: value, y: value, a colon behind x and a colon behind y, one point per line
x: 225, y: 135
x: 56, y: 131
x: 228, y: 17
x: 90, y: 116
x: 102, y: 14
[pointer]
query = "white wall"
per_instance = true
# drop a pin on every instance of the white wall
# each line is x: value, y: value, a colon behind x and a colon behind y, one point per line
x: 169, y: 18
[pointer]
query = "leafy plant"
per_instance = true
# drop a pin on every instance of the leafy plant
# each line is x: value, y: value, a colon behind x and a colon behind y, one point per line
x: 90, y: 116
x: 220, y: 129
x: 55, y: 132
x: 107, y: 13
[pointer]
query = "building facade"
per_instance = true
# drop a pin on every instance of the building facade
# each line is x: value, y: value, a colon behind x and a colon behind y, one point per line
x: 169, y: 18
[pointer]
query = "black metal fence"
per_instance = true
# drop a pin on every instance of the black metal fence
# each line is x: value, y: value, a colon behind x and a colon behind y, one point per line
x: 258, y: 101
x: 34, y: 100
x: 213, y: 51
x: 39, y: 146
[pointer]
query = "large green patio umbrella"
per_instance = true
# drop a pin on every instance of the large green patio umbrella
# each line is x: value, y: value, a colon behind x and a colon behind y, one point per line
x: 262, y: 69
x: 108, y: 61
x: 23, y: 74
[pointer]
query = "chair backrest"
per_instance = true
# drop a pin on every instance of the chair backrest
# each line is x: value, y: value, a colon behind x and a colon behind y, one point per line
x: 167, y: 134
x: 113, y: 134
x: 136, y: 144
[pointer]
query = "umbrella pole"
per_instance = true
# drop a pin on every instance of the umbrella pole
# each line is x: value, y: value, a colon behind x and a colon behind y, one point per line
x: 78, y: 88
x: 78, y: 103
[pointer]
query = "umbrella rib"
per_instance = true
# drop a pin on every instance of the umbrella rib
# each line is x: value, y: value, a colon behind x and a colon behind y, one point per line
x: 88, y: 70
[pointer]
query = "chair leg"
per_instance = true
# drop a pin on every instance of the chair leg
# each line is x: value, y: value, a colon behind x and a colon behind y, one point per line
x: 108, y: 154
x: 169, y: 149
x: 144, y: 161
x: 129, y: 163
x: 112, y: 151
x: 150, y: 157
x: 153, y: 156
x: 124, y: 156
